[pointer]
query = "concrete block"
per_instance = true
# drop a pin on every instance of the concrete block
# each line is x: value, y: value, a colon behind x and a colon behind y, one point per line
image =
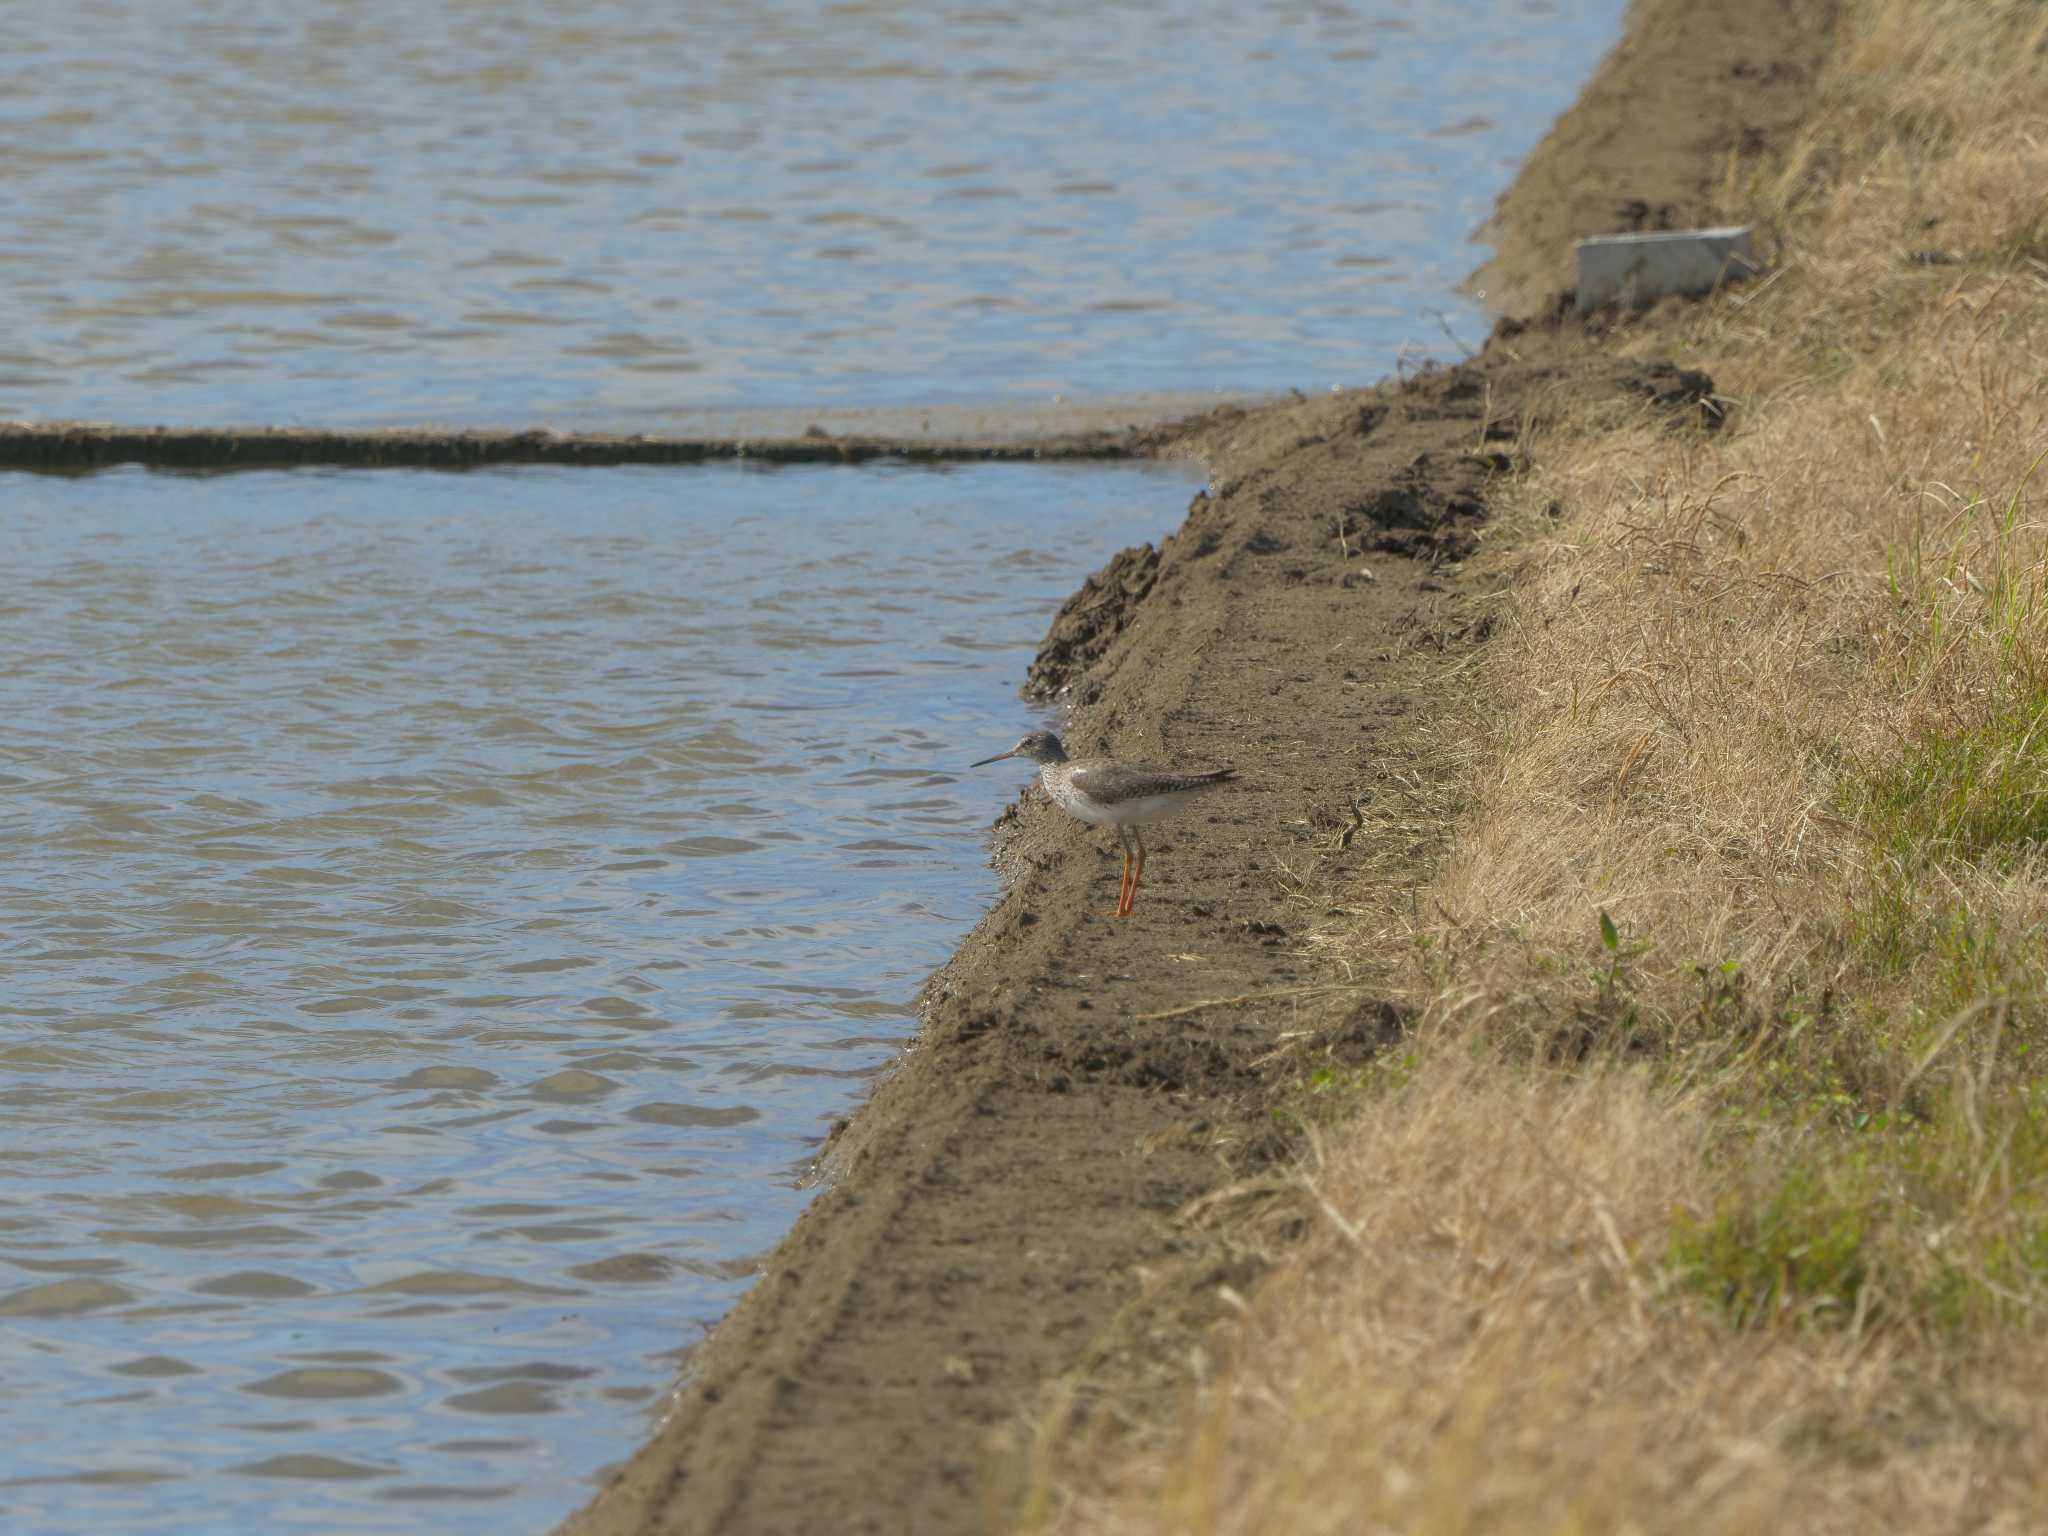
x: 1638, y: 270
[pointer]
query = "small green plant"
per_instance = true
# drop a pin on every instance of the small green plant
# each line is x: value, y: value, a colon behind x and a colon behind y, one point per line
x: 1797, y: 1257
x: 1980, y: 791
x: 1337, y: 1084
x: 1722, y: 989
x: 1611, y: 982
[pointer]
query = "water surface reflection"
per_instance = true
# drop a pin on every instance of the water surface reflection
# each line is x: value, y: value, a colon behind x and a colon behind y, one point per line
x: 513, y: 212
x: 436, y: 915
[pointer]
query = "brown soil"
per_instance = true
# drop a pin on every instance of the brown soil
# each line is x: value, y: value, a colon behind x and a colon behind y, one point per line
x: 1021, y: 1201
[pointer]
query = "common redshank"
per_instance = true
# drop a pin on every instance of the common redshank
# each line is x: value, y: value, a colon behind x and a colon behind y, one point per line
x: 1109, y: 794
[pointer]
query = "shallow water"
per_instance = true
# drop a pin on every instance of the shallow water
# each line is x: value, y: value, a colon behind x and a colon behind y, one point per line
x: 505, y: 212
x: 438, y: 916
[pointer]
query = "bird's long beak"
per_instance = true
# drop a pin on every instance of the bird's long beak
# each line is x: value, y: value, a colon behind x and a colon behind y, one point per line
x: 996, y: 759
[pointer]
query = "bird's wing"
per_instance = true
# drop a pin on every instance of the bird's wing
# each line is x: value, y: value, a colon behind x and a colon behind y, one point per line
x: 1111, y: 782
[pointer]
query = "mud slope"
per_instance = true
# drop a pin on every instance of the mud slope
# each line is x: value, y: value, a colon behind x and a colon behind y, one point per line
x: 1016, y: 1197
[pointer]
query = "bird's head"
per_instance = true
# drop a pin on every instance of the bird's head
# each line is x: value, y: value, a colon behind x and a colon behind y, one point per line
x: 1040, y: 747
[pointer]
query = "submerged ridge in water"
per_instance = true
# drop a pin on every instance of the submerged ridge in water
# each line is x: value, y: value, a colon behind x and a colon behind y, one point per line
x: 439, y: 914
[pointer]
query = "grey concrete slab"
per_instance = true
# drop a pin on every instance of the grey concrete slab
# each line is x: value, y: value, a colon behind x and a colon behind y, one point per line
x: 1637, y: 270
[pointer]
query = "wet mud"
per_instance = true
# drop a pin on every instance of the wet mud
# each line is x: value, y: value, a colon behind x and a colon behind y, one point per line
x: 80, y: 448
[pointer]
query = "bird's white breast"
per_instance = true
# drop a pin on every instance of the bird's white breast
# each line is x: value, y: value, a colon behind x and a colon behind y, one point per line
x: 1071, y: 800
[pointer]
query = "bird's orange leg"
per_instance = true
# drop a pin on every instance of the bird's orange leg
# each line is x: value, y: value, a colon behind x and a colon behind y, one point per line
x: 1124, y: 885
x: 1137, y: 874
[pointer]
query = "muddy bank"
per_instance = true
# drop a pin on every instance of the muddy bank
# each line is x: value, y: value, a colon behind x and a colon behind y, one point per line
x: 1018, y: 1216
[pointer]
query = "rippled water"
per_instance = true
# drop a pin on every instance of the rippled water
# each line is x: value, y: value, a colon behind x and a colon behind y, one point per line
x: 623, y: 214
x: 437, y: 916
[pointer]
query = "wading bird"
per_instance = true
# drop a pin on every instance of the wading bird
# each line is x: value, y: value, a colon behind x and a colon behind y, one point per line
x: 1109, y: 794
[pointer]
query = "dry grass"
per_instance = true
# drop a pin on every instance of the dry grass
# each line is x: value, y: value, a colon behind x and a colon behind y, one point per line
x: 1712, y: 1192
x: 1487, y: 1338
